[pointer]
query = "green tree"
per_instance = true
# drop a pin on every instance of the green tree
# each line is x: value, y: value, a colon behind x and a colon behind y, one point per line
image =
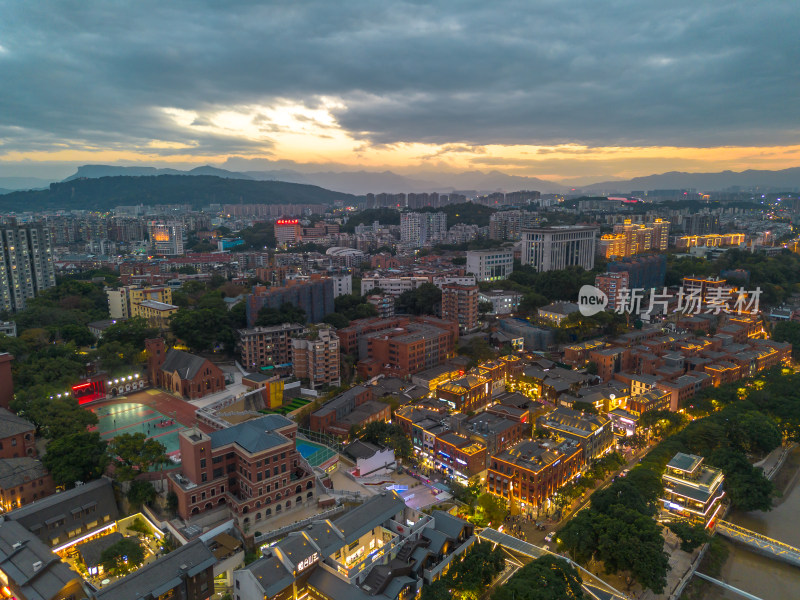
x: 141, y: 492
x: 425, y: 300
x: 76, y: 457
x: 59, y: 417
x: 122, y: 557
x: 691, y: 536
x: 203, y: 328
x: 788, y: 331
x: 337, y: 320
x: 287, y: 313
x: 79, y: 334
x: 493, y: 509
x: 485, y: 307
x: 172, y: 502
x: 133, y: 332
x: 387, y: 435
x: 546, y: 578
x: 134, y: 453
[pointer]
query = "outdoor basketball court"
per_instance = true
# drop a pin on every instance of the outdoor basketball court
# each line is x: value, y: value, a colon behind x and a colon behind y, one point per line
x: 156, y: 414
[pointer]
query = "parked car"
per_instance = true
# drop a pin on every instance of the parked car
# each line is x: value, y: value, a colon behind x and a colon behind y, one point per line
x: 550, y: 536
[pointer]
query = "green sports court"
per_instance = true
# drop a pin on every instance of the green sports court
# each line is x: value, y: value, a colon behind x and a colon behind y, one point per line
x: 134, y: 417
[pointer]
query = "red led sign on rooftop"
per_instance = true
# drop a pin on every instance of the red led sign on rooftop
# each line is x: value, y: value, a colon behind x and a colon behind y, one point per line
x: 287, y: 222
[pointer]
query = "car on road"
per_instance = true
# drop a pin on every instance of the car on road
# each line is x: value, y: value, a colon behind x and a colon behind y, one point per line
x: 625, y: 472
x: 550, y: 536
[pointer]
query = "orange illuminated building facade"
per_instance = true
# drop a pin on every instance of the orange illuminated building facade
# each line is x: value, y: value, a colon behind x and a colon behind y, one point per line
x: 713, y: 240
x: 529, y: 473
x: 635, y: 238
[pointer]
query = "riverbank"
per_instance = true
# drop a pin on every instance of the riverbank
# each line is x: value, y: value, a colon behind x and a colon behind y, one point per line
x: 759, y: 575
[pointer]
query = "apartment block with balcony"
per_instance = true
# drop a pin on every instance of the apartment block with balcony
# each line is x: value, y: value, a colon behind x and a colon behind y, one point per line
x: 315, y: 357
x: 268, y: 346
x: 460, y: 303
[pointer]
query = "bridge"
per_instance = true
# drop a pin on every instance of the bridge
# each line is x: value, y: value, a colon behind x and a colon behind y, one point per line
x: 728, y: 587
x: 759, y: 542
x: 594, y: 587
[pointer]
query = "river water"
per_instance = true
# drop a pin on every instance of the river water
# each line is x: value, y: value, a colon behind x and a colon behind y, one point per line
x: 764, y: 577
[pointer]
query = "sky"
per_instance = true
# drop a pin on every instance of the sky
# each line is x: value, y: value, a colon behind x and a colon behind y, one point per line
x: 566, y: 90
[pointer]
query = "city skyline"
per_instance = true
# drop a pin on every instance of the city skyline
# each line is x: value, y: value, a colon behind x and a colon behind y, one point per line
x: 572, y: 94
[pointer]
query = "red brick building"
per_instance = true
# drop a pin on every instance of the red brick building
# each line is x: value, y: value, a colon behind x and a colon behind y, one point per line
x: 254, y: 468
x: 185, y: 374
x: 406, y: 348
x: 610, y: 361
x: 460, y: 303
x: 470, y: 393
x: 22, y: 481
x: 6, y: 380
x: 17, y: 436
x: 349, y: 336
x: 356, y: 407
x: 531, y: 472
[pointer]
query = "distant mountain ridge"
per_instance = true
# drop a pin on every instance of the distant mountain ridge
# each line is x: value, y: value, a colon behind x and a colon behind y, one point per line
x: 104, y: 193
x: 785, y: 180
x: 473, y: 182
x: 97, y: 171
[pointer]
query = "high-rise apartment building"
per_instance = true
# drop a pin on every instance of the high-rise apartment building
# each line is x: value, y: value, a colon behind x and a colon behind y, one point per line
x: 611, y: 284
x: 629, y: 239
x: 460, y: 303
x: 490, y: 265
x: 553, y: 248
x: 166, y: 237
x: 316, y: 357
x: 419, y: 229
x: 26, y: 264
x: 268, y: 346
x: 508, y: 224
x: 314, y: 297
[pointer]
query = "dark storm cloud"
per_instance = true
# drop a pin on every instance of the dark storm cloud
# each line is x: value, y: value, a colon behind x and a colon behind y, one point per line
x: 97, y: 74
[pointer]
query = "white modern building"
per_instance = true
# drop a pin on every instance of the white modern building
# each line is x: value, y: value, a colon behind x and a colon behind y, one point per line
x: 554, y: 248
x: 391, y: 285
x: 442, y: 280
x: 490, y: 265
x: 345, y: 257
x: 504, y: 302
x: 342, y: 284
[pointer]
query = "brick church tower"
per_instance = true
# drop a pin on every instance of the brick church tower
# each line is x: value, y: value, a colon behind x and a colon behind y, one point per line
x: 156, y: 355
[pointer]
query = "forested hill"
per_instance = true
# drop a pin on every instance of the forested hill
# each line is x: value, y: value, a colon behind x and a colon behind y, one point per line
x: 105, y: 193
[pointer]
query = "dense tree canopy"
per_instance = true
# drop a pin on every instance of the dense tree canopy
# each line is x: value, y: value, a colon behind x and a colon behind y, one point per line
x: 425, y: 300
x: 468, y: 577
x: 122, y: 557
x: 546, y: 578
x: 287, y: 313
x: 76, y: 457
x: 388, y: 435
x: 135, y: 453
